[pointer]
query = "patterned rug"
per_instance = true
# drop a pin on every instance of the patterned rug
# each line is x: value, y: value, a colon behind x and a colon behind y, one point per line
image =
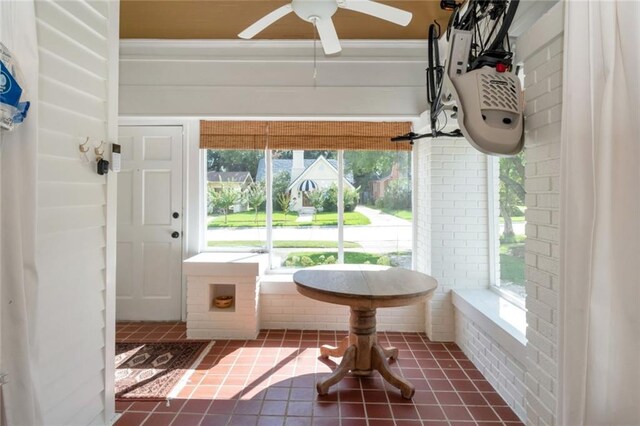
x: 149, y: 371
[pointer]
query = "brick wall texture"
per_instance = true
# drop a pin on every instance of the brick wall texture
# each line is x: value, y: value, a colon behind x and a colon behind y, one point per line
x: 542, y: 59
x: 503, y: 371
x: 294, y: 311
x: 452, y: 223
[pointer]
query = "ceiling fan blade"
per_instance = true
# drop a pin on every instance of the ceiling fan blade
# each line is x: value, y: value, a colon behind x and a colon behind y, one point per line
x: 379, y: 10
x: 265, y: 21
x: 328, y: 36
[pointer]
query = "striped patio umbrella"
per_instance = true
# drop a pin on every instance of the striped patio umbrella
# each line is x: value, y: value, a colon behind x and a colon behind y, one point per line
x: 307, y: 185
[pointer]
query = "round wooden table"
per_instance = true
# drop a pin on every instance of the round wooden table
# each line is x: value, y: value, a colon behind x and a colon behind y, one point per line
x: 364, y: 288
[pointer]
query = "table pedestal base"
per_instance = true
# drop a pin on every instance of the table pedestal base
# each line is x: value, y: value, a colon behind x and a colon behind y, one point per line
x: 361, y: 354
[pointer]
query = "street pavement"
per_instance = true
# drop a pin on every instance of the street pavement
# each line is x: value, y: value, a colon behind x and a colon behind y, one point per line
x: 385, y: 233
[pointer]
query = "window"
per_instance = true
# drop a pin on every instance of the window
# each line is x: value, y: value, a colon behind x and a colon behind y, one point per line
x: 235, y: 198
x: 510, y: 232
x: 310, y: 206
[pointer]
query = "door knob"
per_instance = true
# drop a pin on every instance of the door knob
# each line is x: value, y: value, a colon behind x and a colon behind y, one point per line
x: 175, y: 234
x: 175, y: 215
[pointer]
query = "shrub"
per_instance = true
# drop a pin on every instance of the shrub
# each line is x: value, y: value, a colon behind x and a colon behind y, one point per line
x: 351, y: 197
x: 306, y: 261
x: 397, y: 195
x: 384, y: 260
x: 330, y: 199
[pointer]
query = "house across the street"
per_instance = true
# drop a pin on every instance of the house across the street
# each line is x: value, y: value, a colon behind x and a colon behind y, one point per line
x: 320, y: 171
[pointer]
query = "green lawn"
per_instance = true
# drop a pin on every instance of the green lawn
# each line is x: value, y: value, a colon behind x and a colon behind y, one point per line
x: 513, y: 219
x: 512, y: 263
x: 283, y: 244
x: 248, y: 219
x: 402, y: 214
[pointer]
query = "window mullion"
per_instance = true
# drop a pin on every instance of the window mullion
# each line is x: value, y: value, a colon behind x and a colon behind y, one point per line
x: 492, y: 222
x: 269, y: 207
x: 340, y: 206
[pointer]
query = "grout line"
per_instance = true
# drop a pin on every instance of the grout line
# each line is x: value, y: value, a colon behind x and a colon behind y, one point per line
x: 301, y: 364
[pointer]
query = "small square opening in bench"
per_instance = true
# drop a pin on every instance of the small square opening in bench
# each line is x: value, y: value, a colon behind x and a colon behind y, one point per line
x: 217, y: 290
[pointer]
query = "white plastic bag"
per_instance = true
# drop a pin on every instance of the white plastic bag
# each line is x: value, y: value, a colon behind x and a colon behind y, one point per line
x: 13, y: 102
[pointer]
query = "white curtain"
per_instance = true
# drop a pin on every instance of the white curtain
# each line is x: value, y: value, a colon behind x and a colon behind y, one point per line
x: 18, y: 275
x: 600, y: 215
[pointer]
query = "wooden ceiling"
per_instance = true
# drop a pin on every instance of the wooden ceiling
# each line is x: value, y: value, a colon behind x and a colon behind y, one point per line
x: 224, y: 19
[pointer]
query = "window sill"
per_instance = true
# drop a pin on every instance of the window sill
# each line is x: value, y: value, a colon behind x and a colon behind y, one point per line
x: 505, y: 322
x: 277, y: 284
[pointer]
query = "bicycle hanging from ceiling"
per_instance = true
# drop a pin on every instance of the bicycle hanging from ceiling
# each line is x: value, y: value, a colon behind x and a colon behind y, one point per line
x: 475, y: 83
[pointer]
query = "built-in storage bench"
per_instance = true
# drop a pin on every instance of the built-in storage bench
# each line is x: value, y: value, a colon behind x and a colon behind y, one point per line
x: 210, y: 275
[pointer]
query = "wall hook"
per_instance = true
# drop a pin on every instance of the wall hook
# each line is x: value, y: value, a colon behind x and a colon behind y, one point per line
x: 98, y: 151
x: 84, y: 149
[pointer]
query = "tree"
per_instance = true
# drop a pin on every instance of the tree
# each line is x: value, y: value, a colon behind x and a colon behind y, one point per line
x: 281, y: 182
x: 363, y: 163
x: 316, y: 197
x: 397, y: 195
x: 255, y: 195
x: 223, y: 199
x: 234, y: 161
x: 511, y: 192
x: 366, y: 166
x: 284, y: 202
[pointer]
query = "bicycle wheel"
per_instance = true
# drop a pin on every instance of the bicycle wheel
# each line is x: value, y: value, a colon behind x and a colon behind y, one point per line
x: 489, y: 22
x: 435, y: 69
x: 435, y: 73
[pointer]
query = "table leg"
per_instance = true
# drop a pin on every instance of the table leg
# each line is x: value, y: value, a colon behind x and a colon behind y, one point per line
x: 347, y: 364
x: 391, y: 352
x: 326, y: 351
x: 361, y: 354
x: 379, y: 361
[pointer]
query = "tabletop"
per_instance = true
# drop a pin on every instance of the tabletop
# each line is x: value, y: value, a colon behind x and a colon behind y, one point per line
x: 372, y: 285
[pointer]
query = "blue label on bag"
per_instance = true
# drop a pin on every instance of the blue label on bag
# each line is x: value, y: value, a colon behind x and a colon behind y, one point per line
x: 10, y: 90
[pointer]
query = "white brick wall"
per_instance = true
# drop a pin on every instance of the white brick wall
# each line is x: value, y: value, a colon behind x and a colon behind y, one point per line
x: 294, y: 311
x: 502, y: 370
x: 452, y: 228
x: 540, y: 49
x: 241, y: 321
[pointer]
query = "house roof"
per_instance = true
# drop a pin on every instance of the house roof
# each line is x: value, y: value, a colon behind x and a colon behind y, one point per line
x: 238, y: 177
x: 301, y: 176
x: 285, y: 165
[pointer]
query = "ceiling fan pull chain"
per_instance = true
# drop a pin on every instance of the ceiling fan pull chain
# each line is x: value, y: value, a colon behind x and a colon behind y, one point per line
x: 315, y: 54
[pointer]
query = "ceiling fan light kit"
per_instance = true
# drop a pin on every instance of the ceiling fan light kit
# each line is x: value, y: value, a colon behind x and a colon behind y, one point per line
x: 319, y: 13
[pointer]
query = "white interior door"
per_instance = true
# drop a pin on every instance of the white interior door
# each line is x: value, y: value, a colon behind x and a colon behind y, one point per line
x: 149, y: 251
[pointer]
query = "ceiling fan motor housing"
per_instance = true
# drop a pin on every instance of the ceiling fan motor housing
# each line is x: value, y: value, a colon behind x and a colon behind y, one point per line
x: 310, y: 10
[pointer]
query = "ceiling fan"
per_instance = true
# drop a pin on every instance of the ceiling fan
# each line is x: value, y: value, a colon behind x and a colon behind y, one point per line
x: 319, y: 13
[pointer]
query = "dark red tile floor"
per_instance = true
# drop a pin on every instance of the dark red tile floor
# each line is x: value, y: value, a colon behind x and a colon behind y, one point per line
x: 271, y: 381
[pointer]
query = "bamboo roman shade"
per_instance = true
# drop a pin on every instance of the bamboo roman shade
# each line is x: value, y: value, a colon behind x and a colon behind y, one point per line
x: 305, y: 135
x: 233, y: 134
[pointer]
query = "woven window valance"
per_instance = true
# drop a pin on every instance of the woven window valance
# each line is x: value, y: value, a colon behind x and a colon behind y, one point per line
x: 309, y: 135
x: 233, y: 134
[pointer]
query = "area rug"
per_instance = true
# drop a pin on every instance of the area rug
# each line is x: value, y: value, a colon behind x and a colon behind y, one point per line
x: 151, y: 371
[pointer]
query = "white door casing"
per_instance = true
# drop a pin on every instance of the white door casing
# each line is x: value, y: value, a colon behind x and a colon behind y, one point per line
x: 149, y: 249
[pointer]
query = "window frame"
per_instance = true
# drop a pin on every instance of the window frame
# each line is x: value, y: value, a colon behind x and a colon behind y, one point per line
x: 269, y: 212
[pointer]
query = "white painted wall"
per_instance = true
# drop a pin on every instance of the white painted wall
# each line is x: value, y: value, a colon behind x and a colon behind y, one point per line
x: 541, y: 51
x: 282, y: 307
x: 497, y: 363
x: 78, y: 47
x: 452, y: 219
x: 529, y: 383
x: 271, y: 79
